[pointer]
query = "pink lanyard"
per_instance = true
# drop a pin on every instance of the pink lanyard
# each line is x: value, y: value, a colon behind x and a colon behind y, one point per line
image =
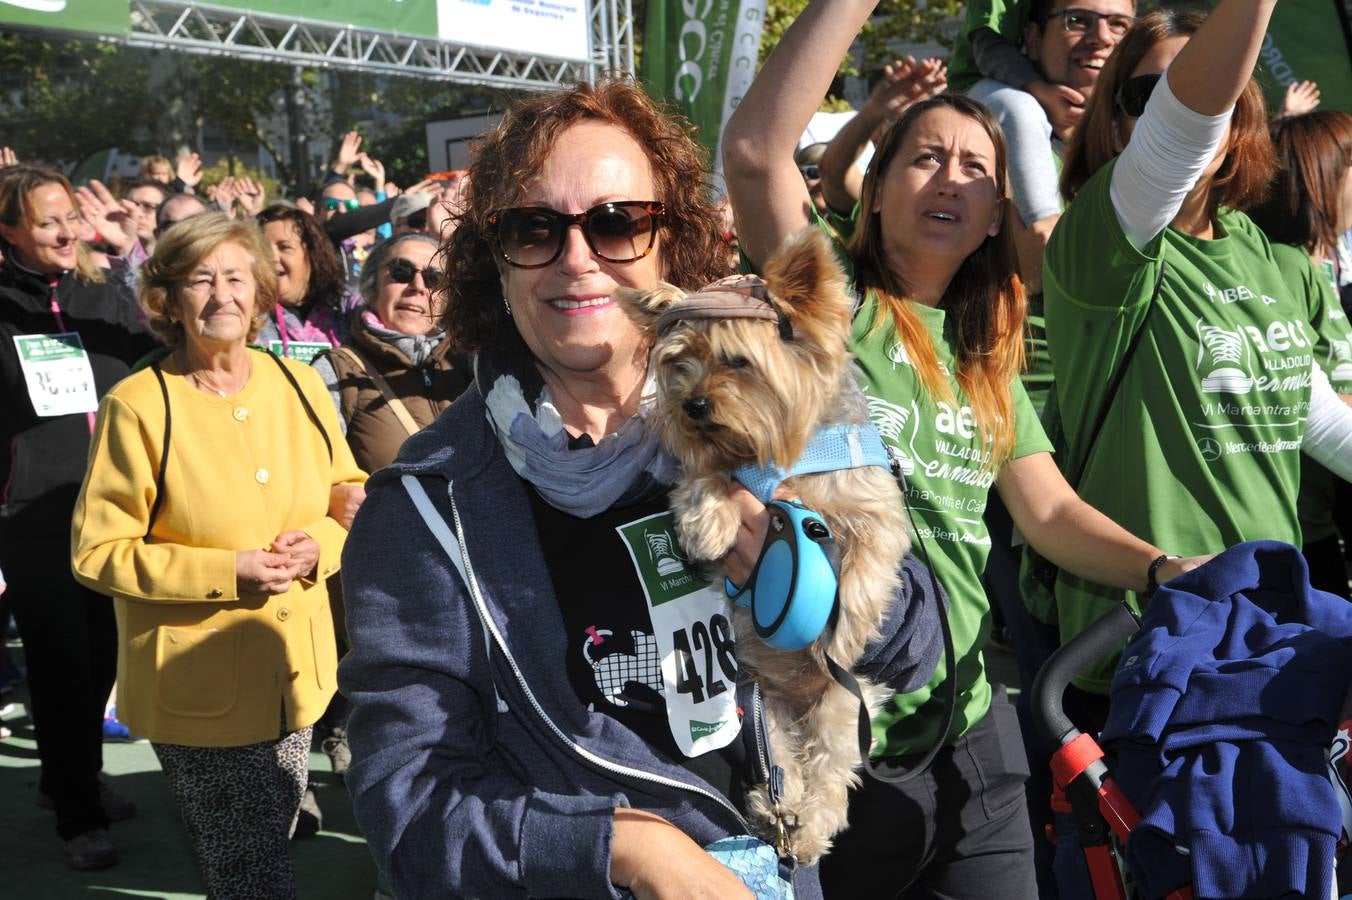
x: 61, y: 326
x: 286, y: 343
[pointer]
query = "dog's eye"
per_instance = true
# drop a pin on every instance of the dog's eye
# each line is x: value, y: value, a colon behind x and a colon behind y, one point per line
x: 736, y: 362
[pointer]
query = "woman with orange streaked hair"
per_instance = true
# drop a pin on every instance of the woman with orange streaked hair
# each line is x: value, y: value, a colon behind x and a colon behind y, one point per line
x: 939, y: 332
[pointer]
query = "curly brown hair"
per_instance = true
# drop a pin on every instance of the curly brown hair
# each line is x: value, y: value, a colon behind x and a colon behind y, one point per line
x: 182, y: 248
x: 509, y: 157
x: 328, y: 278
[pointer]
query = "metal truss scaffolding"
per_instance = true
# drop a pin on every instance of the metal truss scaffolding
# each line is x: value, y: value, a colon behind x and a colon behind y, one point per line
x: 203, y: 28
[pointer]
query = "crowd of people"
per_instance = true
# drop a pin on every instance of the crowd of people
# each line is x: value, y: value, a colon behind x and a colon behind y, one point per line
x: 1100, y: 303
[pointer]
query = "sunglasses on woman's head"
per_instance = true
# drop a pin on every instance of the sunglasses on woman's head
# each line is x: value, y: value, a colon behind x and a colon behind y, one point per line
x: 402, y: 271
x: 533, y: 236
x: 333, y: 203
x: 1133, y: 93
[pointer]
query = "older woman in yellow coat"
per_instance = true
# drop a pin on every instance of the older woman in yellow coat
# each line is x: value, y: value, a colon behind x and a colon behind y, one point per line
x: 210, y: 513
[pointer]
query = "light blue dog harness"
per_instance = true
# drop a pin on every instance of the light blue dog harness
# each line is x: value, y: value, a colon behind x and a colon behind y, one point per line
x: 832, y: 448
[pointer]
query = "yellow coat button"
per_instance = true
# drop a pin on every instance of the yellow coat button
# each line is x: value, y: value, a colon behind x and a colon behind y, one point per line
x: 241, y: 414
x: 262, y: 476
x: 283, y: 614
x: 213, y: 594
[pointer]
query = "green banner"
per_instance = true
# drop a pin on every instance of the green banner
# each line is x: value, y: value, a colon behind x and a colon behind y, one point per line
x: 1308, y: 41
x: 414, y: 17
x: 701, y: 55
x: 88, y: 16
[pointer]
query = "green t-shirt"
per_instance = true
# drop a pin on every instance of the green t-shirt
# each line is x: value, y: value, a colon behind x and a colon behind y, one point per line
x: 1201, y: 447
x: 948, y: 480
x: 1314, y: 286
x: 1008, y: 20
x: 941, y: 456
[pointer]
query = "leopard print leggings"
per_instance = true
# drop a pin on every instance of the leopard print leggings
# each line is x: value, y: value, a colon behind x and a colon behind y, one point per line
x: 240, y: 805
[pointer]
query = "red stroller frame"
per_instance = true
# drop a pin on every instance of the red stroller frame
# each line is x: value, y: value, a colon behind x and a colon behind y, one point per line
x: 1081, y: 782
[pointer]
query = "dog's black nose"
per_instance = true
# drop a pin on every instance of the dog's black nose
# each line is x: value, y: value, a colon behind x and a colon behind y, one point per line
x: 697, y: 408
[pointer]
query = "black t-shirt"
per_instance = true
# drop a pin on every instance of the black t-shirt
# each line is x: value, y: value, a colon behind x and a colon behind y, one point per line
x: 613, y: 662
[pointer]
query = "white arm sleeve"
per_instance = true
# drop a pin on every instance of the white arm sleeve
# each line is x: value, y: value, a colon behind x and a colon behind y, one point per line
x: 1168, y: 151
x: 1328, y: 432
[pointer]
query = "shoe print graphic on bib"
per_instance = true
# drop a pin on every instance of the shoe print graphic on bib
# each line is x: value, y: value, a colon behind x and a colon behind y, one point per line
x: 1222, y: 360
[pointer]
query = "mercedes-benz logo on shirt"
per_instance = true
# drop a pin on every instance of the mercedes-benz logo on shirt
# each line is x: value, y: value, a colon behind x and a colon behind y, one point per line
x: 1211, y: 449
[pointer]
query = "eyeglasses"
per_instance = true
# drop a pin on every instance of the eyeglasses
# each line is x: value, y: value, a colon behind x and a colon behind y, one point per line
x: 811, y: 171
x: 146, y: 205
x: 402, y: 271
x: 1083, y: 21
x: 621, y: 231
x: 1133, y: 93
x: 417, y: 221
x: 333, y: 204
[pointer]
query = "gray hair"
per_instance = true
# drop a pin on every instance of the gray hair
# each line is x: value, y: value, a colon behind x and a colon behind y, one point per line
x: 380, y: 254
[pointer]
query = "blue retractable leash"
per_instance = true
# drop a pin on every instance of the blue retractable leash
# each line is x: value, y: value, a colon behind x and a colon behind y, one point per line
x: 793, y: 595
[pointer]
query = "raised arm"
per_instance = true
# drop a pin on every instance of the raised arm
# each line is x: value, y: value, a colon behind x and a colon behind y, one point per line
x: 1187, y: 118
x: 904, y: 82
x: 769, y: 199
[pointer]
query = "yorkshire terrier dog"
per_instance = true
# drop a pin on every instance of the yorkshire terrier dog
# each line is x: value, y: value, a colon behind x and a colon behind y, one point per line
x: 747, y: 372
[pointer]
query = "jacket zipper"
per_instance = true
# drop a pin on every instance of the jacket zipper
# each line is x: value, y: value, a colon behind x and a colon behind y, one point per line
x: 572, y: 745
x: 773, y: 775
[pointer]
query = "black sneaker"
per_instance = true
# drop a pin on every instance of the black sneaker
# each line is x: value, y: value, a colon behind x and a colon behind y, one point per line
x: 89, y: 851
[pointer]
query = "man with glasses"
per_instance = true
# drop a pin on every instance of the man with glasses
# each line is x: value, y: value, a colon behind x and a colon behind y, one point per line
x: 1038, y: 94
x: 142, y: 198
x: 175, y: 209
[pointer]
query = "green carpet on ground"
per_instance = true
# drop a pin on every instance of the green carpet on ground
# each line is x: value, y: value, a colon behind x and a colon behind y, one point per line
x: 157, y: 859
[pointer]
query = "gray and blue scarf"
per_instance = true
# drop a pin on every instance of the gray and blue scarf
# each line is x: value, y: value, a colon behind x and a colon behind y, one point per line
x: 572, y: 475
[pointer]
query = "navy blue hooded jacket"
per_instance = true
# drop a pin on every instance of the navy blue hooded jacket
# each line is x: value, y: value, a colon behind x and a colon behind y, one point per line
x: 476, y: 771
x: 1221, y: 715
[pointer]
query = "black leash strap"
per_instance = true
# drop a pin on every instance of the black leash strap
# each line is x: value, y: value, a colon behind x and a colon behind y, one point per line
x: 309, y: 410
x: 164, y: 453
x: 168, y: 431
x: 950, y: 662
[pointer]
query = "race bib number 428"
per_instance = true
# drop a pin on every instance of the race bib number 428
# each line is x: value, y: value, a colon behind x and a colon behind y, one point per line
x: 694, y: 637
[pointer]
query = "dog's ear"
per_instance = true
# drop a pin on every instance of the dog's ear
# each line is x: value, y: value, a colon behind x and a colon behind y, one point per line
x: 806, y: 279
x: 645, y: 306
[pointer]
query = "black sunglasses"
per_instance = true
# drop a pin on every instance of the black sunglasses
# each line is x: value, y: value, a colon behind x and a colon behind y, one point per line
x: 402, y: 271
x: 621, y: 231
x: 1133, y: 93
x: 418, y: 220
x: 811, y: 171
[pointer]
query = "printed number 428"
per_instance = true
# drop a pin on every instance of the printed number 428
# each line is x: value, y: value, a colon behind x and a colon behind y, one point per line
x: 713, y: 640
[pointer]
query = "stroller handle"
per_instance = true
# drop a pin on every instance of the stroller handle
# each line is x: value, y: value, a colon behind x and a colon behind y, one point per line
x: 1098, y: 640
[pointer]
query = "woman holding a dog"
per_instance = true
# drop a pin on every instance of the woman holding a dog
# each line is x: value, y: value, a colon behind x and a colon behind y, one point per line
x: 939, y: 339
x: 514, y: 582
